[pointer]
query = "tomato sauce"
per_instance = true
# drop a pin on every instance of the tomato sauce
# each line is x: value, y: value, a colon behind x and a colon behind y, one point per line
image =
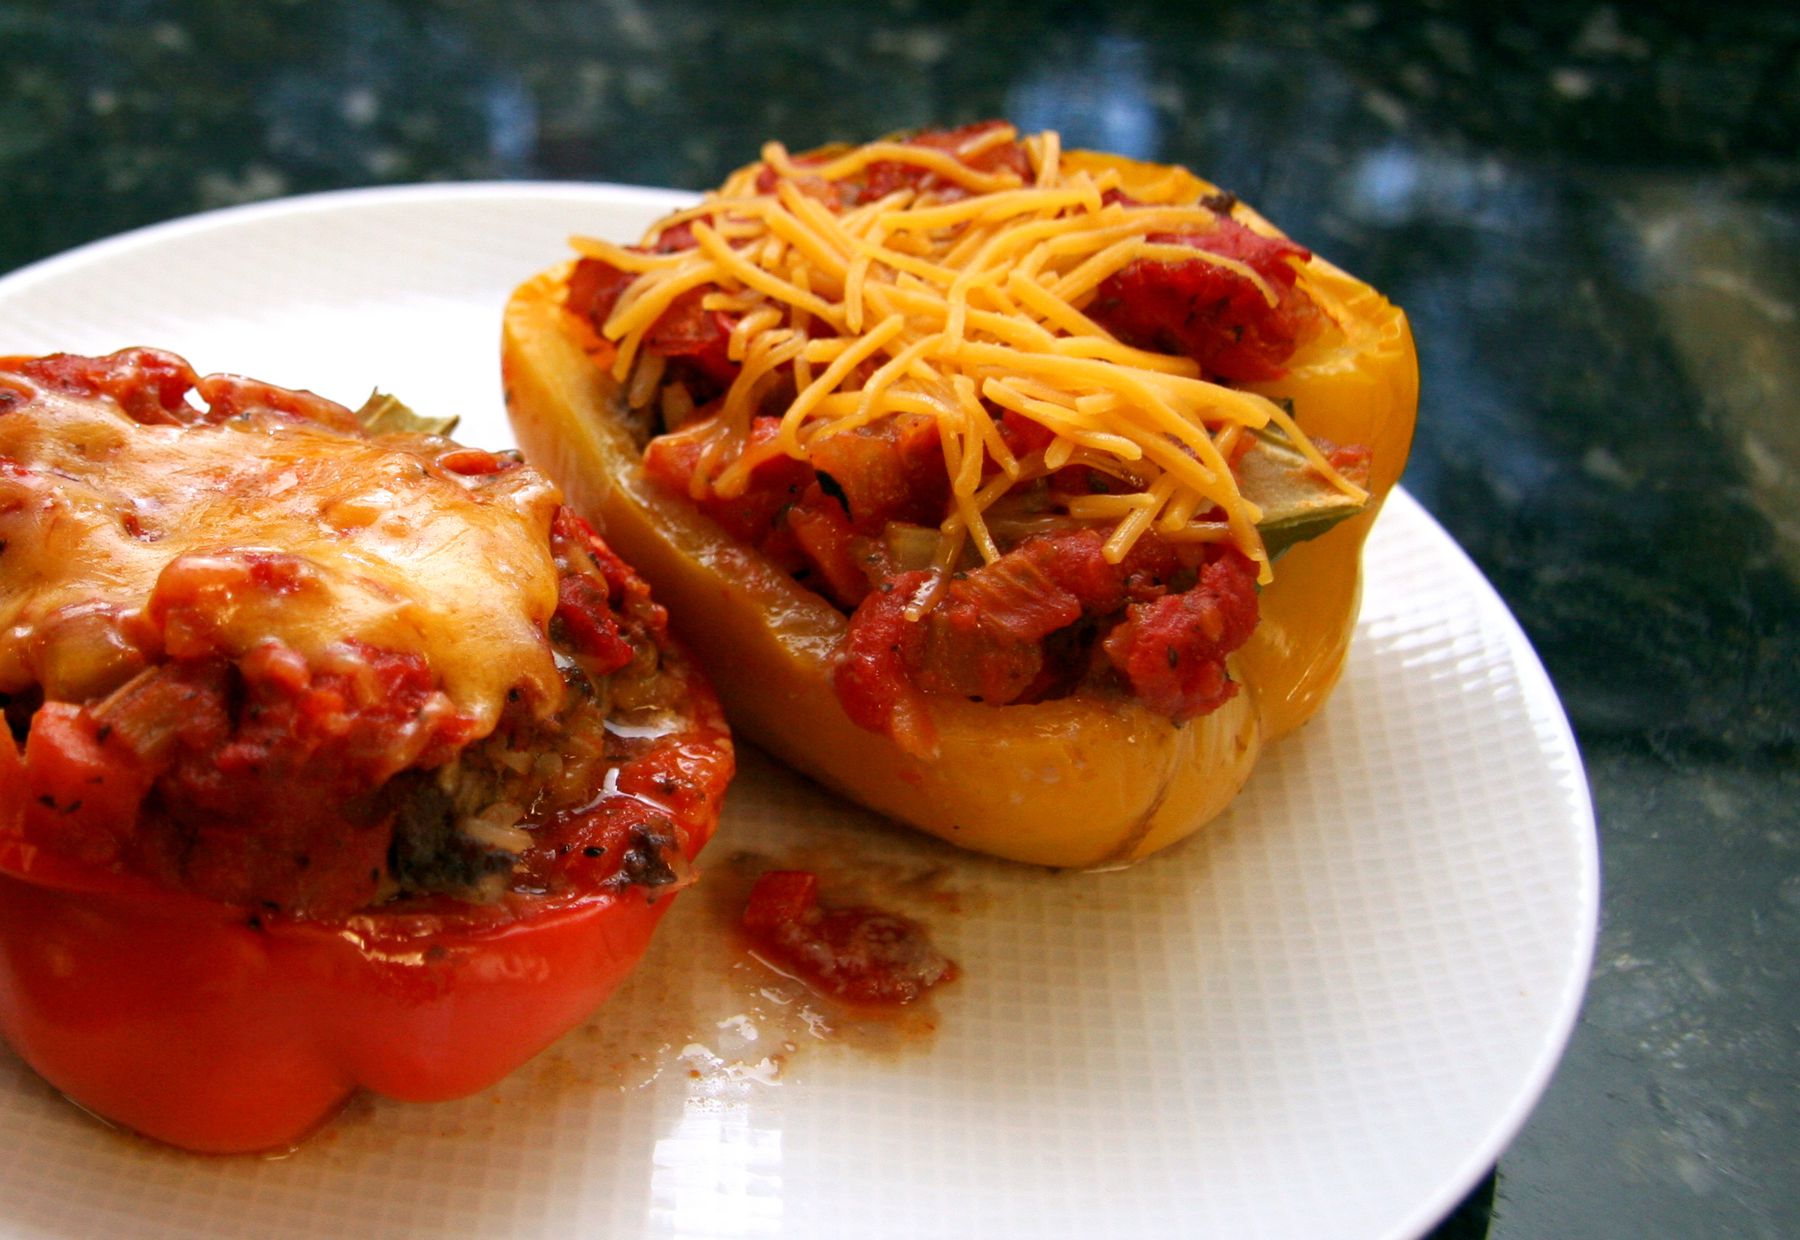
x: 858, y: 955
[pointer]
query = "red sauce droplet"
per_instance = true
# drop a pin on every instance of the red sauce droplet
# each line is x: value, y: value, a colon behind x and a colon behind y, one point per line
x: 858, y: 955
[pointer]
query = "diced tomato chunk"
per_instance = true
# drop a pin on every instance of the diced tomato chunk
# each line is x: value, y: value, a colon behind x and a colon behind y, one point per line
x: 85, y: 791
x: 689, y: 331
x: 477, y: 462
x: 685, y: 777
x: 985, y: 639
x: 892, y: 471
x: 805, y: 516
x: 1351, y: 460
x: 1015, y: 596
x: 619, y: 840
x: 1024, y: 435
x: 627, y: 593
x: 859, y: 955
x: 825, y: 537
x: 686, y: 331
x: 675, y: 458
x: 885, y: 176
x: 595, y: 288
x: 587, y: 619
x: 1207, y: 312
x: 150, y: 385
x: 15, y: 791
x: 595, y: 611
x: 780, y: 897
x: 873, y: 680
x: 966, y: 656
x: 230, y: 396
x: 1041, y: 585
x: 1172, y: 650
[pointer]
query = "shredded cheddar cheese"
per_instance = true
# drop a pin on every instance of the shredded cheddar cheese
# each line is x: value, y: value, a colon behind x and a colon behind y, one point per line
x: 955, y: 307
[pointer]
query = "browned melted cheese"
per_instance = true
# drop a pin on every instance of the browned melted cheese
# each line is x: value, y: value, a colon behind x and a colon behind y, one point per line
x: 121, y: 544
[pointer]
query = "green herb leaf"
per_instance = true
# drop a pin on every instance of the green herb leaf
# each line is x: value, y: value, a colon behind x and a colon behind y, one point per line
x: 1297, y: 502
x: 382, y: 414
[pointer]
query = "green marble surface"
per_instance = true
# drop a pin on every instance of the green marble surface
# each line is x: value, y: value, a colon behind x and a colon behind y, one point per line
x: 1591, y: 211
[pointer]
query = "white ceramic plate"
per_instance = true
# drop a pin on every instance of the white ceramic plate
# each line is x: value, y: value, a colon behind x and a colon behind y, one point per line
x: 1325, y: 1017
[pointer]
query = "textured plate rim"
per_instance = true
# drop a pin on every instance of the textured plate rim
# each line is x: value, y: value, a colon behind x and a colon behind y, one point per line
x: 1546, y: 710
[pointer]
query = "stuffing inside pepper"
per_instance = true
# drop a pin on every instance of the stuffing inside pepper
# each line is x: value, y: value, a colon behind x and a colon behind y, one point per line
x: 989, y: 409
x: 240, y: 662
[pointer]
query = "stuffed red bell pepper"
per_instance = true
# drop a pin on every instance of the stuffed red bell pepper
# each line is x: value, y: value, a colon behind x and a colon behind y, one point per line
x: 338, y: 755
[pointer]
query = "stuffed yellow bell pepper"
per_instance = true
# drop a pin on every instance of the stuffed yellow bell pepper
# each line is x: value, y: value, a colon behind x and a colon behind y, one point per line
x: 1015, y: 493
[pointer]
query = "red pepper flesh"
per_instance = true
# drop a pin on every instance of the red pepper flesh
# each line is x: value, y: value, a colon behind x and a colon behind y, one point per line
x: 216, y: 1029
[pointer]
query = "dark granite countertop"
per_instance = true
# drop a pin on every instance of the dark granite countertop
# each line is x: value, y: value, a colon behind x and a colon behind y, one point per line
x: 1591, y: 212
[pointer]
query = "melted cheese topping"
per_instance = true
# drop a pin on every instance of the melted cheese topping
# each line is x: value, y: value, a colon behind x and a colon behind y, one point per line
x: 915, y: 304
x: 121, y: 543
